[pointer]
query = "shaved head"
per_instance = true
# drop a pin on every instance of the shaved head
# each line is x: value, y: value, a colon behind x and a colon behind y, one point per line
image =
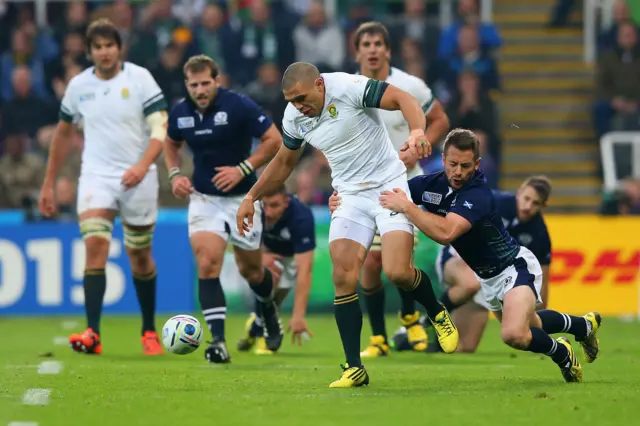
x: 299, y: 72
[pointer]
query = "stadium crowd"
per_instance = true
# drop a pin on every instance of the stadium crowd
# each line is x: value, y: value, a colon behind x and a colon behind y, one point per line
x: 253, y: 41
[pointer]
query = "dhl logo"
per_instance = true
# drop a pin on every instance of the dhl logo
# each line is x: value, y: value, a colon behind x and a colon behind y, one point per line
x: 620, y: 267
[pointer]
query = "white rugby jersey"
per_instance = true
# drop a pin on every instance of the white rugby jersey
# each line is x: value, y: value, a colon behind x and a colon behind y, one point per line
x: 113, y: 114
x: 349, y: 132
x: 394, y: 121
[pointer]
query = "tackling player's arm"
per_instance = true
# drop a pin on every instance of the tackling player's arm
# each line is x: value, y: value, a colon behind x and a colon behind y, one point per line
x: 442, y: 230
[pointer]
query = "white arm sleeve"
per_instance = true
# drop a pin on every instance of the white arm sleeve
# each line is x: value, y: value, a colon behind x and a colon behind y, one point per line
x: 69, y: 105
x: 151, y: 96
x: 364, y: 92
x: 290, y: 135
x: 424, y: 95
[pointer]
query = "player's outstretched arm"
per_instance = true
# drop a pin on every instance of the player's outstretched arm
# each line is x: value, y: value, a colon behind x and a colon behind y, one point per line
x: 273, y: 176
x: 298, y: 324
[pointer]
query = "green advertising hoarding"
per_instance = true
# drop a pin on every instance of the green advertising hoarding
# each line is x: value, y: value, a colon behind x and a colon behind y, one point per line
x: 240, y: 297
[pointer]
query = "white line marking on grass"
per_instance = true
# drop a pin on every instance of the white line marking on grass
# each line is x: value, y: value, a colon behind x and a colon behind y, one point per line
x: 22, y: 424
x: 36, y: 396
x: 50, y: 367
x: 61, y: 340
x: 69, y: 325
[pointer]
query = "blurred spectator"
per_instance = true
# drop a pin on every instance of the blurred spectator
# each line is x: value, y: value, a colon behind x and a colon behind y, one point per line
x: 168, y: 74
x: 21, y: 53
x: 621, y: 14
x: 312, y: 181
x: 73, y: 55
x: 18, y: 113
x: 561, y: 13
x: 265, y: 38
x: 266, y: 91
x: 471, y: 108
x: 319, y: 41
x: 618, y: 84
x: 44, y: 42
x: 21, y: 172
x: 487, y: 162
x: 122, y: 17
x: 488, y: 36
x: 471, y: 56
x: 158, y: 28
x: 413, y: 25
x: 216, y: 37
x: 624, y: 200
x: 75, y: 20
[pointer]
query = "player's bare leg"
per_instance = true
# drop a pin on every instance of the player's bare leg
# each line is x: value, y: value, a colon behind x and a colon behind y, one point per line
x: 137, y: 241
x: 347, y: 257
x: 208, y: 249
x: 96, y: 226
x: 471, y: 320
x: 397, y: 250
x: 517, y: 314
x: 373, y: 289
x: 462, y: 286
x: 261, y: 282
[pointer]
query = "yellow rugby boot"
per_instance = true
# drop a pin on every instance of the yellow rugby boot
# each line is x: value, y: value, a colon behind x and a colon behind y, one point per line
x: 572, y: 371
x: 416, y: 333
x: 262, y: 347
x: 378, y: 346
x: 352, y: 377
x: 247, y: 341
x: 446, y: 331
x: 591, y: 344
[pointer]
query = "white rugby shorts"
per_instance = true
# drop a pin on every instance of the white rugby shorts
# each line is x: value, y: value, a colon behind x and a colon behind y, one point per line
x: 136, y: 206
x: 360, y: 214
x: 217, y: 215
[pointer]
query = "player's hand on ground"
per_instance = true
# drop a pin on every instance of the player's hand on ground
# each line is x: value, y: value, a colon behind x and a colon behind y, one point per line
x: 299, y: 329
x: 395, y: 200
x: 46, y: 201
x: 334, y: 202
x: 181, y: 187
x: 134, y: 176
x: 418, y: 144
x: 227, y: 178
x: 409, y: 158
x: 244, y: 217
x: 270, y: 261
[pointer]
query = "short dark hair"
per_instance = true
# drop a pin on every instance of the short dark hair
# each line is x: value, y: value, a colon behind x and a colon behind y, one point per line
x: 298, y: 71
x: 371, y: 28
x: 464, y: 140
x: 282, y: 189
x: 104, y: 28
x: 541, y: 184
x: 201, y: 63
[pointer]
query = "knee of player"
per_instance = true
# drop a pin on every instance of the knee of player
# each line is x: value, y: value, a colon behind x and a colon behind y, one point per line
x: 141, y: 261
x: 96, y: 233
x: 254, y: 274
x: 209, y: 266
x: 516, y: 337
x: 400, y: 276
x: 373, y: 260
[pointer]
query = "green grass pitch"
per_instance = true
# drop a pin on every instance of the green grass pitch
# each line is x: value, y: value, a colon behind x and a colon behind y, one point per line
x: 496, y: 386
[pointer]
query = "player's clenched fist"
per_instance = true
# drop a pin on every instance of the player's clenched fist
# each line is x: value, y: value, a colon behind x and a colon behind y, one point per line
x: 46, y: 202
x: 181, y: 186
x: 334, y: 202
x: 245, y: 214
x: 133, y: 176
x: 417, y: 144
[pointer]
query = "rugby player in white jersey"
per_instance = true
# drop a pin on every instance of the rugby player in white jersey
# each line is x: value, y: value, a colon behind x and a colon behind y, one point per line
x: 337, y: 113
x: 116, y: 101
x: 373, y: 54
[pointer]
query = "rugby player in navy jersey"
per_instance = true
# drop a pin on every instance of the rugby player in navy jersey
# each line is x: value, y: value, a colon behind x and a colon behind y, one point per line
x: 456, y: 207
x: 522, y: 217
x: 289, y: 240
x: 219, y: 126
